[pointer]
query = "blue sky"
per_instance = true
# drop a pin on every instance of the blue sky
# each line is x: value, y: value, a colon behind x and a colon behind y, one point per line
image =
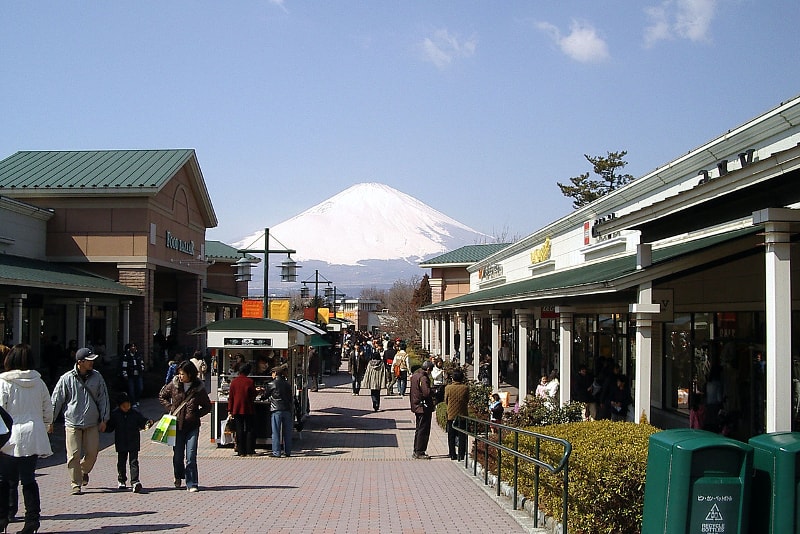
x: 475, y: 108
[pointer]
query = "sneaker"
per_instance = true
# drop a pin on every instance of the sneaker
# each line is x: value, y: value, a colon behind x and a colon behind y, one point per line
x: 177, y: 482
x: 121, y: 486
x: 86, y: 479
x: 76, y: 490
x: 420, y: 456
x: 137, y: 487
x: 193, y: 489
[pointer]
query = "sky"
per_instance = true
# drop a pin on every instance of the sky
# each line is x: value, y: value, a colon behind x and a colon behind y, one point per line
x: 476, y: 108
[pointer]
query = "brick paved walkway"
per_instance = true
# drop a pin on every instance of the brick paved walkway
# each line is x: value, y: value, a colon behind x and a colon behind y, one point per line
x: 351, y: 472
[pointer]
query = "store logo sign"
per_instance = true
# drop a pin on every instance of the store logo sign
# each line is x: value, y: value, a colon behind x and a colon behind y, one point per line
x: 175, y: 243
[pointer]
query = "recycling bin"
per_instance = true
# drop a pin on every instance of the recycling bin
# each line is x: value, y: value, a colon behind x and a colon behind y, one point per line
x: 697, y: 482
x: 775, y: 508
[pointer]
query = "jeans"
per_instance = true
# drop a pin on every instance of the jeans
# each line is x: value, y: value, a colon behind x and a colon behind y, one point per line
x: 402, y: 382
x: 282, y: 422
x: 356, y: 384
x: 186, y: 447
x: 124, y: 457
x: 135, y: 386
x: 81, y: 442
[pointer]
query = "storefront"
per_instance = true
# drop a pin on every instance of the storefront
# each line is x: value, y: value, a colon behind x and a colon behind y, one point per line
x: 682, y: 279
x: 134, y: 217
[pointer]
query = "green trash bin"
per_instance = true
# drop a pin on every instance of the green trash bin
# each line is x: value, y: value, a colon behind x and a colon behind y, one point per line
x: 775, y: 508
x: 697, y: 482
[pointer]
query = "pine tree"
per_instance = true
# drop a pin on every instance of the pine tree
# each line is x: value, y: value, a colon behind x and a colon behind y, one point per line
x: 584, y: 190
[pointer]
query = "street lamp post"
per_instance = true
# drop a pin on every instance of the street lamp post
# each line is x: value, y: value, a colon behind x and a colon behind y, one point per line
x: 304, y: 293
x: 288, y: 267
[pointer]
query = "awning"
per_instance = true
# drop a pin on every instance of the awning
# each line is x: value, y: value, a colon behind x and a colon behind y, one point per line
x: 318, y: 341
x: 28, y: 273
x: 306, y: 326
x: 604, y: 277
x: 215, y: 297
x: 243, y: 324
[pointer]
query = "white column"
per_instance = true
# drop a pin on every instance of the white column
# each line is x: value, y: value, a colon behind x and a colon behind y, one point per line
x: 126, y: 322
x: 779, y: 327
x: 644, y: 310
x: 565, y: 324
x: 451, y: 346
x: 476, y: 344
x: 16, y: 317
x: 462, y: 335
x: 443, y: 335
x: 495, y: 348
x: 82, y: 304
x: 523, y: 320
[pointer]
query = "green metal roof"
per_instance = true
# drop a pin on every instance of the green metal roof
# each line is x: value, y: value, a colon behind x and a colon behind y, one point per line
x: 598, y: 273
x: 466, y: 254
x: 219, y: 250
x: 29, y: 273
x: 91, y: 169
x: 243, y: 324
x: 217, y: 297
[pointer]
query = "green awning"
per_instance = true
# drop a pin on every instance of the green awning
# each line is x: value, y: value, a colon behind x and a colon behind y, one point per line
x: 318, y: 341
x: 597, y: 277
x: 28, y: 273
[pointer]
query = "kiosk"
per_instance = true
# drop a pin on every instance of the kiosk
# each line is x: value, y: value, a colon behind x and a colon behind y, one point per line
x: 264, y: 343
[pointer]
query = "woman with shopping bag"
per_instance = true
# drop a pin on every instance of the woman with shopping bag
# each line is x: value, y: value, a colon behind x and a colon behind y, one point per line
x: 185, y: 397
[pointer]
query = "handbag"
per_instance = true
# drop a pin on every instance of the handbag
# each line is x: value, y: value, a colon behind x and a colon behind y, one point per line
x: 165, y: 430
x: 167, y: 427
x: 397, y: 371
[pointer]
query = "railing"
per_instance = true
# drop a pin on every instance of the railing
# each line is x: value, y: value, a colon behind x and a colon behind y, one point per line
x: 480, y: 429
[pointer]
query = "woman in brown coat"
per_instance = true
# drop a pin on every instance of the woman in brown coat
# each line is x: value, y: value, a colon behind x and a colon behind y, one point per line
x: 186, y: 398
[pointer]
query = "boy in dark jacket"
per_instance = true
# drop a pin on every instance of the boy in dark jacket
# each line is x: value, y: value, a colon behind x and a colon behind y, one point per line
x: 126, y: 423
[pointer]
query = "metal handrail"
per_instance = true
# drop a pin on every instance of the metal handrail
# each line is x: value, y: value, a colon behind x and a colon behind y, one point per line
x: 479, y: 430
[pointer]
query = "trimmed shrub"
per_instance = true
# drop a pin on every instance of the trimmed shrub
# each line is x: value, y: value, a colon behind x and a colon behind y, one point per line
x: 607, y: 469
x: 542, y: 412
x: 479, y: 395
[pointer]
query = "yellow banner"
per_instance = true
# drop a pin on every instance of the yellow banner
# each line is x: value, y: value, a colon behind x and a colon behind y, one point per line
x: 279, y: 309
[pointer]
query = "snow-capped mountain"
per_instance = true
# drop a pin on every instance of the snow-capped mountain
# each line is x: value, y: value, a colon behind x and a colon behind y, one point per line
x: 369, y: 235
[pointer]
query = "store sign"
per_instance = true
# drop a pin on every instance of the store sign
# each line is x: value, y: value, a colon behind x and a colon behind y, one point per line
x: 252, y: 308
x: 175, y: 243
x: 549, y: 312
x: 491, y: 272
x: 247, y: 342
x: 538, y: 255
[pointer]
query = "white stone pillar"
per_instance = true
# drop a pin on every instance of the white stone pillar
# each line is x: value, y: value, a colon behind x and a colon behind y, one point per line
x: 461, y: 319
x: 476, y: 344
x: 644, y: 310
x: 495, y: 348
x: 16, y: 317
x: 565, y: 325
x: 451, y: 343
x: 126, y: 322
x: 524, y: 321
x: 443, y: 336
x: 82, y: 305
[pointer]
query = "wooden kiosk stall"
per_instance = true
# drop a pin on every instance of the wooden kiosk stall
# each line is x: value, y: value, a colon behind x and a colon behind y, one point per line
x: 264, y: 343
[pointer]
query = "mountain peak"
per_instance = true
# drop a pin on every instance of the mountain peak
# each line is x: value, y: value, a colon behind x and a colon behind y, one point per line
x: 369, y: 221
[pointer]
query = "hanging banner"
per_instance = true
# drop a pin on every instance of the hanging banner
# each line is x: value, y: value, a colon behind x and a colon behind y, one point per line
x: 253, y: 308
x: 279, y: 309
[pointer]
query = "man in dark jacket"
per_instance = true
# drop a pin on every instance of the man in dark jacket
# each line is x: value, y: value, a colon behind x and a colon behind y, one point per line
x: 421, y: 398
x: 280, y: 404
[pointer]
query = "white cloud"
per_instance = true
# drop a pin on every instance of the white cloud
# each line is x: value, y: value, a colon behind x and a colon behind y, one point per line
x: 679, y: 19
x: 443, y: 47
x: 581, y: 44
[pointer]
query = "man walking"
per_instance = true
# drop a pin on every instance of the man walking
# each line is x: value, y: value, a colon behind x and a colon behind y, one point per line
x: 421, y: 398
x: 280, y: 403
x: 82, y: 393
x: 456, y: 396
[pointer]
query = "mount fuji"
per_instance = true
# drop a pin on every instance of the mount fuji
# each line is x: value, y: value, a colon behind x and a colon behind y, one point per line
x: 369, y: 235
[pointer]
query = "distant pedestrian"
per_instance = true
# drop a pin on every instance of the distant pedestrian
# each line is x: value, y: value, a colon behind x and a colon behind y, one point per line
x: 456, y: 396
x: 23, y: 394
x: 401, y: 363
x: 421, y: 399
x: 127, y: 423
x: 496, y: 409
x: 186, y: 398
x: 313, y: 368
x: 388, y: 358
x: 242, y: 407
x: 375, y: 379
x: 133, y: 373
x: 280, y: 403
x: 83, y: 396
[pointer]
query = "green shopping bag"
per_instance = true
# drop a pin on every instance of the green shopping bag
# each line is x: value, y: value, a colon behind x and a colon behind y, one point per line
x: 164, y: 432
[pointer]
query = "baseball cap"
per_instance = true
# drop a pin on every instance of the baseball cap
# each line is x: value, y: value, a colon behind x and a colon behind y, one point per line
x: 85, y: 354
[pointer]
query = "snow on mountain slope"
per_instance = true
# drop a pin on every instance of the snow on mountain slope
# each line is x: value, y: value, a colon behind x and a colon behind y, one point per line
x: 368, y: 221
